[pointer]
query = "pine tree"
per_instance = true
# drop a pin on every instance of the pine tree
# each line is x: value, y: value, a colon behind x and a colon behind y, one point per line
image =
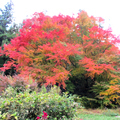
x: 8, y: 28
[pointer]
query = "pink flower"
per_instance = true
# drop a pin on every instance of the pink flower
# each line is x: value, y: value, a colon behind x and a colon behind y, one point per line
x: 44, y: 115
x: 38, y: 118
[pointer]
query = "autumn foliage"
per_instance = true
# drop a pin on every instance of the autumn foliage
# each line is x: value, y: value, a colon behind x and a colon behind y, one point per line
x: 45, y: 45
x: 42, y: 49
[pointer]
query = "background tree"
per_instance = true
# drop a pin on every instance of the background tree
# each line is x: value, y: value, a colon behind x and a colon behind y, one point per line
x: 98, y: 63
x: 8, y: 28
x: 5, y: 22
x: 42, y: 45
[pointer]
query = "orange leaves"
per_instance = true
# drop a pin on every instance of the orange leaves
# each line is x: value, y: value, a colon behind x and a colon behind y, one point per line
x: 59, y: 51
x: 90, y: 66
x: 83, y: 19
x: 100, y: 54
x: 93, y: 68
x: 60, y: 75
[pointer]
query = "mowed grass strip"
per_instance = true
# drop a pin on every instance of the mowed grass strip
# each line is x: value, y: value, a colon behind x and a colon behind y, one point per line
x: 97, y: 114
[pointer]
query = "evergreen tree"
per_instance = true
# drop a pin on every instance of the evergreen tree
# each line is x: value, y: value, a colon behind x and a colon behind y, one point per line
x: 8, y: 28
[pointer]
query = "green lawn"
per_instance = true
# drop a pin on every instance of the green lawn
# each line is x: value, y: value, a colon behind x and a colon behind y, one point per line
x: 95, y: 117
x: 97, y: 114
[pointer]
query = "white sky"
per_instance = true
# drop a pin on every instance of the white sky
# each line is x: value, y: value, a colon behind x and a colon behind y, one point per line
x: 107, y: 9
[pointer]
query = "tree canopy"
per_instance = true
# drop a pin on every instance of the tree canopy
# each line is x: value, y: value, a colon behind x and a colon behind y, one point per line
x: 51, y: 49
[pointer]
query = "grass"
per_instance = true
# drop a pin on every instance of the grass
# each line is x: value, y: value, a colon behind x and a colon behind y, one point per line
x: 95, y: 117
x: 97, y: 114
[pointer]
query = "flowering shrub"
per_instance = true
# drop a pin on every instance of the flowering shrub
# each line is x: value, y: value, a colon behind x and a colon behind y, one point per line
x: 44, y: 116
x: 26, y: 105
x: 38, y: 118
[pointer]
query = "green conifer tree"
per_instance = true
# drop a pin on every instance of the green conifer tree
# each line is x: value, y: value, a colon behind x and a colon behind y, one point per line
x: 8, y: 28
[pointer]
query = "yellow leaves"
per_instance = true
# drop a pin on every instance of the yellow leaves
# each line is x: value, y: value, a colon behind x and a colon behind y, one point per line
x: 114, y: 97
x: 114, y: 81
x: 112, y: 93
x: 84, y: 20
x: 38, y: 59
x: 30, y: 53
x: 40, y: 50
x: 104, y: 93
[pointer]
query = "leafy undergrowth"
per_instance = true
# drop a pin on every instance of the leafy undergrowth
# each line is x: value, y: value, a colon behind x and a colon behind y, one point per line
x: 98, y: 114
x: 27, y: 105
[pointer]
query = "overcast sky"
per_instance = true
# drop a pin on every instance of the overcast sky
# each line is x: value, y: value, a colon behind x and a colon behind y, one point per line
x: 107, y: 9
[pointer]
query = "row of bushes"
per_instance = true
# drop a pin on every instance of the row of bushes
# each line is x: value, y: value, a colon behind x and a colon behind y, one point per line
x: 20, y: 84
x: 28, y: 104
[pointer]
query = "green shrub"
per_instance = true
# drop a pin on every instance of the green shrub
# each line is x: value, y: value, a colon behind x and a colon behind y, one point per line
x: 95, y: 103
x: 89, y: 102
x: 28, y: 105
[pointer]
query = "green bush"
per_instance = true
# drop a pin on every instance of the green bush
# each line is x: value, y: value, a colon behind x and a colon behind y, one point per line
x: 89, y: 102
x: 28, y: 105
x: 95, y: 103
